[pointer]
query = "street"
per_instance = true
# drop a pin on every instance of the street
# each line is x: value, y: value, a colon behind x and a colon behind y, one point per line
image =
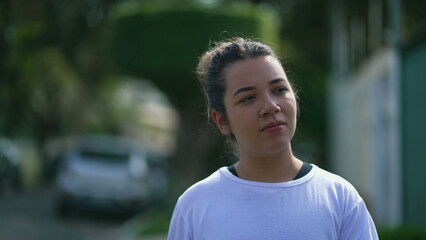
x: 31, y: 215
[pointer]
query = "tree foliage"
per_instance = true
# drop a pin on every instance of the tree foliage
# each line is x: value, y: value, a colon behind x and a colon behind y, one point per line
x: 52, y: 66
x: 163, y: 42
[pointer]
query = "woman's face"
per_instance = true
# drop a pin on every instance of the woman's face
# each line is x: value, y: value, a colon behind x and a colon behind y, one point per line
x: 260, y: 106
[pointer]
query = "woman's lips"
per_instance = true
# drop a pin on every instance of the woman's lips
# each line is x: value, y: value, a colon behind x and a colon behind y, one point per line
x: 273, y: 127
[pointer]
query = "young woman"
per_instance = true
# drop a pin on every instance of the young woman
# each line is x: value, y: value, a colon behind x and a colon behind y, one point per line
x: 269, y: 193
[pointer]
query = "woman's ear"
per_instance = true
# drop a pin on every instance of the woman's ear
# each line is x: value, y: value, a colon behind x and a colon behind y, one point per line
x: 221, y: 123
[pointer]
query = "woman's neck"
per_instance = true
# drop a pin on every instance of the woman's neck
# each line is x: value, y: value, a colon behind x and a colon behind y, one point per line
x: 278, y: 167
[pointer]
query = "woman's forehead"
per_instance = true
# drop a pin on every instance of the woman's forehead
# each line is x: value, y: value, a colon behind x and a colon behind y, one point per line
x: 254, y: 71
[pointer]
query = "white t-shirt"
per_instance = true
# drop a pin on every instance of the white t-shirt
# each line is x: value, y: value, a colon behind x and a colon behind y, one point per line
x: 318, y: 206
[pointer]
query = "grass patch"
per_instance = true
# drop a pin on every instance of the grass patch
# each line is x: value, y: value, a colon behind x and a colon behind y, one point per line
x: 154, y: 221
x: 402, y: 233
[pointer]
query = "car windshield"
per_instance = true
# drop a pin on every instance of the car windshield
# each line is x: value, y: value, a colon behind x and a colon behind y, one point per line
x: 111, y: 157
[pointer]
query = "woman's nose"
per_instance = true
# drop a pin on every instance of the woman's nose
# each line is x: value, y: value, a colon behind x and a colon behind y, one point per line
x: 269, y: 107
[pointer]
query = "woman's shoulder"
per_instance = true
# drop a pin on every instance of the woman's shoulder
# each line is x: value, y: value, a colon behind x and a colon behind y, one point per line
x: 204, y: 188
x: 328, y: 176
x: 335, y: 183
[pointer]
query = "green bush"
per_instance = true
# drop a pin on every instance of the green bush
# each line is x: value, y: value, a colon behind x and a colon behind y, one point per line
x: 153, y: 222
x: 163, y: 42
x: 403, y: 233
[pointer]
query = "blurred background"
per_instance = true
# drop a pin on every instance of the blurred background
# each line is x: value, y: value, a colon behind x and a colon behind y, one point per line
x: 103, y: 125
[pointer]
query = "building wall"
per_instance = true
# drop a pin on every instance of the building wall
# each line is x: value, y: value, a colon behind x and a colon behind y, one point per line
x: 365, y: 147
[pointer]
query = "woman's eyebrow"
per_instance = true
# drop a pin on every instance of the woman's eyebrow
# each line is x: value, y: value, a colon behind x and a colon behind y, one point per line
x: 249, y: 88
x: 277, y: 80
x: 243, y: 89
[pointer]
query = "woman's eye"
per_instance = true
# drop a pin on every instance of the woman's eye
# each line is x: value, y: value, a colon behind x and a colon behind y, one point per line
x: 247, y: 98
x: 281, y: 90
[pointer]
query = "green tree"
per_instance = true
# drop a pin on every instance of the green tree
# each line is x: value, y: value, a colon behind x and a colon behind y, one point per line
x: 53, y: 72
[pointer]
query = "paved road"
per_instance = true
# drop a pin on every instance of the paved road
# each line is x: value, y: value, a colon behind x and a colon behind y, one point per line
x: 30, y: 215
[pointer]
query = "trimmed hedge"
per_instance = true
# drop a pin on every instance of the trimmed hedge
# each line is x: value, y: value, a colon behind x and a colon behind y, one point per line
x: 403, y: 233
x: 163, y: 42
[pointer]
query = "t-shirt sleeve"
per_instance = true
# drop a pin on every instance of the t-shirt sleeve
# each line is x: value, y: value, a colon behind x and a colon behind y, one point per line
x: 178, y: 229
x: 358, y: 224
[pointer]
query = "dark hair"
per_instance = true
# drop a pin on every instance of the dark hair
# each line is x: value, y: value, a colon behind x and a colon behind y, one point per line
x: 214, y: 62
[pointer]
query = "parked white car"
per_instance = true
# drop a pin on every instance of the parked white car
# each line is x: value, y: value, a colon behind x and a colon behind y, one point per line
x: 10, y: 167
x: 104, y: 173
